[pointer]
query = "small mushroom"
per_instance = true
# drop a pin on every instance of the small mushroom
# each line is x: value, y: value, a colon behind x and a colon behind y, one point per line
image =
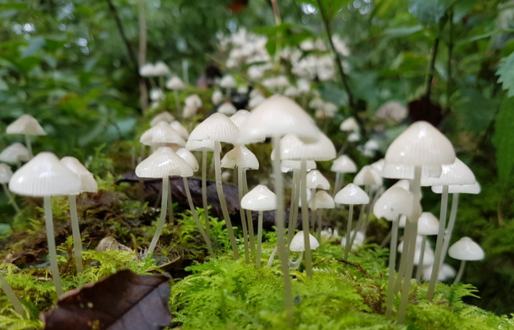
x: 465, y: 249
x: 26, y: 125
x: 5, y: 176
x: 298, y: 245
x: 15, y: 154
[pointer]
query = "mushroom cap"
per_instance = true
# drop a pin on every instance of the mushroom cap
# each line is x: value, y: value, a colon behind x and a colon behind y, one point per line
x: 44, y: 175
x: 403, y: 183
x: 428, y: 224
x: 298, y: 243
x: 161, y: 134
x: 379, y: 166
x: 316, y: 103
x: 189, y: 158
x: 316, y: 180
x: 147, y: 70
x: 464, y: 189
x: 354, y: 137
x: 445, y: 272
x: 292, y: 148
x: 259, y: 198
x: 343, y: 164
x: 14, y: 153
x: 457, y: 173
x: 359, y: 240
x: 255, y: 101
x: 277, y: 116
x: 399, y: 171
x: 394, y: 202
x: 217, y: 127
x: 188, y: 111
x: 5, y: 173
x: 240, y: 117
x: 419, y: 238
x: 367, y: 176
x: 162, y: 163
x: 351, y: 195
x: 227, y: 81
x: 322, y: 200
x: 194, y: 101
x: 26, y: 124
x: 227, y: 108
x: 180, y: 129
x: 217, y: 97
x: 349, y: 125
x: 289, y: 165
x: 161, y: 69
x: 428, y: 257
x: 205, y: 145
x: 87, y: 180
x: 241, y: 157
x: 419, y: 145
x: 466, y: 249
x: 175, y: 83
x: 163, y: 116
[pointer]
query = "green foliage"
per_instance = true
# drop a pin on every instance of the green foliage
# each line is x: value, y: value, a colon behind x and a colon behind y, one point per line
x: 506, y: 74
x: 504, y: 139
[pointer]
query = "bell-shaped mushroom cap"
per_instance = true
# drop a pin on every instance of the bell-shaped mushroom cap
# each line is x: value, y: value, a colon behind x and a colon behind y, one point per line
x: 147, y: 70
x: 466, y: 249
x: 359, y: 240
x: 343, y: 164
x: 378, y: 166
x: 316, y: 103
x: 44, y: 175
x: 255, y: 101
x: 5, y: 173
x: 473, y: 189
x: 162, y: 163
x: 181, y: 130
x: 351, y: 195
x: 163, y: 116
x: 189, y: 158
x: 240, y: 156
x: 397, y: 171
x: 289, y: 165
x: 322, y: 200
x: 227, y: 108
x: 205, y: 145
x: 194, y: 101
x: 87, y: 181
x: 240, y: 118
x: 428, y: 224
x: 420, y: 144
x: 228, y: 81
x: 278, y: 116
x: 316, y: 180
x: 419, y: 239
x: 188, y: 112
x: 445, y: 272
x: 457, y: 173
x: 217, y: 127
x: 175, y: 83
x: 26, y: 124
x: 259, y: 198
x: 161, y: 69
x: 14, y: 153
x: 349, y: 125
x: 217, y: 97
x: 298, y: 243
x: 367, y: 176
x: 161, y: 134
x: 403, y: 183
x: 354, y: 137
x: 292, y: 148
x: 394, y: 202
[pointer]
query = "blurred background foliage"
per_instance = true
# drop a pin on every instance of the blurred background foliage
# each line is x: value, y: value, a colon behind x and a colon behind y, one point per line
x: 71, y: 65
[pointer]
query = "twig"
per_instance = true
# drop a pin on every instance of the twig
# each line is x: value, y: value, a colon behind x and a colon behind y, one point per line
x: 163, y: 265
x: 430, y: 73
x: 362, y: 270
x: 142, y: 54
x: 449, y: 64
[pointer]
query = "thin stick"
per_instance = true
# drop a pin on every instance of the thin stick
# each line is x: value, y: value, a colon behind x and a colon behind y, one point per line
x: 221, y: 197
x: 461, y: 271
x: 142, y: 54
x: 271, y: 257
x: 348, y: 233
x: 320, y: 221
x: 10, y: 197
x: 451, y: 224
x: 305, y: 217
x: 242, y: 212
x: 386, y: 239
x: 419, y: 271
x: 29, y: 145
x: 403, y: 260
x: 204, y: 194
x: 392, y: 265
x: 249, y: 217
x: 195, y: 216
x: 162, y: 217
x: 295, y: 200
x: 52, y: 251
x: 18, y: 307
x: 259, y: 241
x: 77, y: 241
x: 439, y: 243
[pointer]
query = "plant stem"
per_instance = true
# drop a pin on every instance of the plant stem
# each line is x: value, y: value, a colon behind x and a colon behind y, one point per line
x: 451, y: 224
x: 170, y: 207
x: 419, y: 271
x: 77, y: 241
x: 295, y: 198
x: 439, y: 243
x: 392, y: 264
x: 449, y: 63
x: 162, y: 217
x: 271, y: 257
x: 242, y: 212
x: 430, y: 75
x: 221, y: 197
x: 249, y: 217
x: 403, y: 260
x: 290, y: 227
x: 142, y: 54
x: 52, y: 250
x: 204, y: 194
x: 195, y: 216
x: 348, y: 233
x: 259, y: 241
x: 18, y: 307
x: 461, y: 271
x: 10, y: 197
x: 305, y: 217
x: 29, y: 145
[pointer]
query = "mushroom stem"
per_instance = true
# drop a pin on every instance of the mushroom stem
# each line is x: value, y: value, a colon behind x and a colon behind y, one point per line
x: 18, y: 307
x: 177, y: 102
x: 170, y: 206
x: 460, y: 272
x: 279, y: 221
x: 152, y: 82
x: 403, y: 260
x: 10, y: 197
x: 392, y: 264
x: 29, y: 146
x: 339, y: 183
x: 204, y: 194
x: 295, y: 264
x: 361, y: 217
x: 249, y: 217
x: 195, y: 216
x: 419, y: 269
x: 439, y: 243
x: 313, y: 211
x: 160, y: 224
x: 77, y: 241
x: 242, y: 212
x: 320, y: 221
x: 52, y: 251
x: 305, y: 217
x: 259, y: 241
x: 451, y: 224
x: 221, y: 197
x: 161, y: 82
x: 271, y: 257
x: 348, y: 233
x: 293, y: 219
x: 386, y: 239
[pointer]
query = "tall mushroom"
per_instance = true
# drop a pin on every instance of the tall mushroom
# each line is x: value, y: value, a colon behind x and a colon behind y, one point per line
x: 26, y: 125
x: 320, y: 201
x: 16, y: 303
x: 44, y: 176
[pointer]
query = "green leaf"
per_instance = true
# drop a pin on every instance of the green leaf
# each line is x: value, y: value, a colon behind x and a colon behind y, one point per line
x: 504, y: 139
x: 429, y: 12
x: 402, y: 31
x: 506, y: 73
x: 474, y: 111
